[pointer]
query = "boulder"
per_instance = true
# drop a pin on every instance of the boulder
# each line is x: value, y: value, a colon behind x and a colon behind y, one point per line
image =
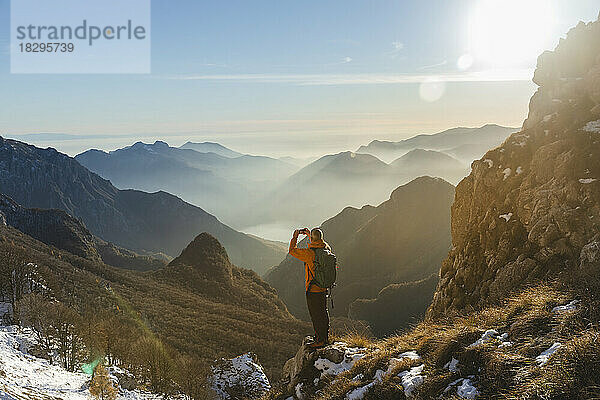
x: 239, y: 378
x: 303, y: 374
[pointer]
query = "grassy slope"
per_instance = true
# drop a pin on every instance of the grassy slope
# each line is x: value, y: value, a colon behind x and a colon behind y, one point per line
x: 253, y: 320
x: 572, y: 372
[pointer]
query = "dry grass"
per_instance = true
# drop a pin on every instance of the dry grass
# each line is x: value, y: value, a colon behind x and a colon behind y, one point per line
x: 511, y: 372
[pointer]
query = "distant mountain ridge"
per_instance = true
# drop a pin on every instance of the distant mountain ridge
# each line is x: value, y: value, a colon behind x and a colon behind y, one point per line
x: 466, y: 143
x: 335, y: 181
x: 211, y: 147
x: 209, y: 180
x: 143, y: 222
x: 431, y: 163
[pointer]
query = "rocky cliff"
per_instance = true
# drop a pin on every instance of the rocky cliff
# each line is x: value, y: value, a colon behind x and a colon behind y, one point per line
x: 530, y: 206
x: 57, y: 228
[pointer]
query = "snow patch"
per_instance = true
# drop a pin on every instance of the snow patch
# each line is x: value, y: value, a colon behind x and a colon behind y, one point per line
x: 587, y: 180
x: 351, y: 356
x: 489, y: 335
x: 489, y: 162
x: 452, y: 365
x: 567, y: 307
x: 506, y: 216
x: 412, y: 379
x: 239, y: 372
x: 360, y: 392
x: 543, y: 358
x: 466, y: 390
x: 506, y: 173
x: 592, y: 126
x: 298, y: 390
x: 519, y: 170
x: 29, y: 377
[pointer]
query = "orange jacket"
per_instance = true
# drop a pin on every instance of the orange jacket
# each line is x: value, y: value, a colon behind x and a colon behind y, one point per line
x: 308, y: 257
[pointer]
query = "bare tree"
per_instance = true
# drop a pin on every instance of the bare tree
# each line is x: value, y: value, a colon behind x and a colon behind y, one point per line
x: 16, y: 275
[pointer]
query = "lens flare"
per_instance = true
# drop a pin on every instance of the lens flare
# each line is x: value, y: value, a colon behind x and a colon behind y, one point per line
x: 465, y: 62
x: 432, y: 90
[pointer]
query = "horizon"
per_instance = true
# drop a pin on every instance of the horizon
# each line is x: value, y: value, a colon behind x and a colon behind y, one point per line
x: 44, y: 140
x: 342, y: 76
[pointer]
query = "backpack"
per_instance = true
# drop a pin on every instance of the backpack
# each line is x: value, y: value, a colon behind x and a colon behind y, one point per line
x: 325, y: 268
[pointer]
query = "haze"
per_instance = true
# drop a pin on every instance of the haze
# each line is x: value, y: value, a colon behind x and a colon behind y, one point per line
x: 264, y: 78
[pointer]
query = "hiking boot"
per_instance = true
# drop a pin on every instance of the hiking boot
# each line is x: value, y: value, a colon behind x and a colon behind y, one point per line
x: 317, y: 345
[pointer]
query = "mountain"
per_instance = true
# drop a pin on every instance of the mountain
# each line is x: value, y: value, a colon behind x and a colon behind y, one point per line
x: 465, y: 143
x: 159, y: 314
x: 300, y: 162
x: 396, y: 307
x: 210, y: 180
x: 143, y: 222
x: 324, y: 187
x: 203, y: 260
x: 530, y: 209
x: 515, y: 314
x: 59, y: 229
x: 432, y: 163
x: 210, y: 147
x: 403, y: 239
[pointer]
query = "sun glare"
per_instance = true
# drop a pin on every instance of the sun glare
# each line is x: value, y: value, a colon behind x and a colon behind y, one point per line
x: 510, y: 33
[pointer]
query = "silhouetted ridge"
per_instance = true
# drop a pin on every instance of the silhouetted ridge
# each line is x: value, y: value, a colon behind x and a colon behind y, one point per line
x: 205, y: 255
x: 420, y: 189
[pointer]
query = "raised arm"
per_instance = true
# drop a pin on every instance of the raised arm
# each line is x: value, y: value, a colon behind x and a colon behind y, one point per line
x: 304, y: 255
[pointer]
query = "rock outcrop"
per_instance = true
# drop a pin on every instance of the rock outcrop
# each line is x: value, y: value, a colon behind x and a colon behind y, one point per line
x: 303, y: 373
x: 59, y: 229
x: 239, y: 378
x: 530, y: 208
x: 53, y: 227
x: 314, y: 372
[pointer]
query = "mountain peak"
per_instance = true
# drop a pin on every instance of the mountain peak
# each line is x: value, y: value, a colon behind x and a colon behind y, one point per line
x: 211, y: 147
x: 205, y: 255
x: 421, y: 188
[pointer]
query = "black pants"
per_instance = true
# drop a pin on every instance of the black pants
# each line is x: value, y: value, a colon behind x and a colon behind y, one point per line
x: 317, y: 307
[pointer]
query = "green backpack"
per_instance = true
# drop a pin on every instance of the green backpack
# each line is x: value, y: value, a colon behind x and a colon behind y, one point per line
x: 325, y: 268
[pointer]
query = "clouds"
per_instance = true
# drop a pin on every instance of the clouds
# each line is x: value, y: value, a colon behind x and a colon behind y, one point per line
x: 397, y: 47
x: 362, y: 78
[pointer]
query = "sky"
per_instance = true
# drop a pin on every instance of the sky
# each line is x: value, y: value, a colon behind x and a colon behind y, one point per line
x: 298, y: 78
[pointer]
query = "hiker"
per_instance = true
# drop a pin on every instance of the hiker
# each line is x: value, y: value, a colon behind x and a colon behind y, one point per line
x: 317, y: 253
